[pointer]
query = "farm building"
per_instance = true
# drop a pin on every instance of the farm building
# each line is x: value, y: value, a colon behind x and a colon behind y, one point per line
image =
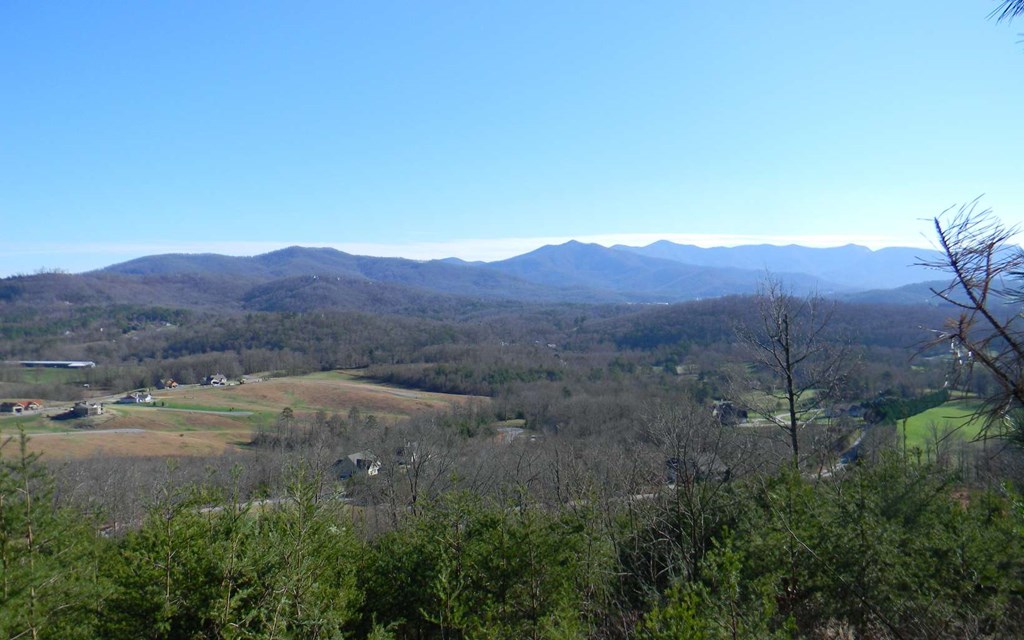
x: 59, y: 364
x: 83, y: 409
x: 20, y: 406
x: 11, y: 407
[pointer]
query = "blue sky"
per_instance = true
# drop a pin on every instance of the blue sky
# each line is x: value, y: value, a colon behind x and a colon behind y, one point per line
x: 486, y: 129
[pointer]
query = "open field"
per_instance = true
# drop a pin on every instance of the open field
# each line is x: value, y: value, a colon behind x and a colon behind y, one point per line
x: 956, y: 418
x: 331, y: 392
x: 42, y: 375
x: 199, y: 421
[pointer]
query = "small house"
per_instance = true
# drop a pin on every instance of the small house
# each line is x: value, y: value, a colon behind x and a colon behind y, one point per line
x: 365, y: 461
x: 136, y: 397
x: 728, y: 413
x: 344, y: 468
x: 215, y: 380
x: 11, y: 407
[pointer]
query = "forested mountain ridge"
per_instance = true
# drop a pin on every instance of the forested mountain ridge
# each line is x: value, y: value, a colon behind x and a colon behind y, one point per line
x: 303, y: 279
x: 296, y: 262
x: 914, y: 293
x: 643, y: 278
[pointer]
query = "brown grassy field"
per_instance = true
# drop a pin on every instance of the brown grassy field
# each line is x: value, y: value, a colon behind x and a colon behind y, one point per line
x: 201, y: 421
x: 333, y: 393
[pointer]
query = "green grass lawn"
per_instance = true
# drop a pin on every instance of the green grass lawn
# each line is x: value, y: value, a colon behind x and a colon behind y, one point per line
x: 956, y: 417
x: 44, y: 375
x: 30, y: 423
x: 183, y: 406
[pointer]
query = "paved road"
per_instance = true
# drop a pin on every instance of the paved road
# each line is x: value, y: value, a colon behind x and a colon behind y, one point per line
x: 210, y: 411
x: 82, y: 432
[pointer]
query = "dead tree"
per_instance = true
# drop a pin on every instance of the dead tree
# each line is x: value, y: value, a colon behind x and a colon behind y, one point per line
x: 1007, y: 10
x: 794, y: 346
x: 987, y: 290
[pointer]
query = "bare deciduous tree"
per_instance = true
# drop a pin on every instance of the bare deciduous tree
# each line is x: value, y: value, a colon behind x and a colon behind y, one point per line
x: 794, y: 344
x: 1008, y: 9
x: 697, y: 457
x: 987, y: 289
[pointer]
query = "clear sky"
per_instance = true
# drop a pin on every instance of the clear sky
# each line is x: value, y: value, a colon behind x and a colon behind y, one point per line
x: 485, y: 129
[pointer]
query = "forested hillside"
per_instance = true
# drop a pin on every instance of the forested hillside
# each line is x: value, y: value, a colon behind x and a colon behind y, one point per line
x: 557, y: 547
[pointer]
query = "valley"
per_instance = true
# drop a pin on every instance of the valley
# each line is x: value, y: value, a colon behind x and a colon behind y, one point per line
x: 511, y: 321
x: 576, y: 414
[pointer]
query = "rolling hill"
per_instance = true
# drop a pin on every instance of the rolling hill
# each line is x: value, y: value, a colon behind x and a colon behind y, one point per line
x: 301, y: 279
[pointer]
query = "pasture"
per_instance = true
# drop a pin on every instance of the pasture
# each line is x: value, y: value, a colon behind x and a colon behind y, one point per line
x: 202, y: 421
x: 954, y: 419
x: 42, y: 375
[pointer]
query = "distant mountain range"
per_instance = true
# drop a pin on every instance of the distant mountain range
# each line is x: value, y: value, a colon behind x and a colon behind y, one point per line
x: 301, y: 279
x: 851, y: 266
x: 636, y: 277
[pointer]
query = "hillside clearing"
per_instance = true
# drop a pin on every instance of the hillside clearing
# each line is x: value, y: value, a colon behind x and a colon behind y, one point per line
x: 954, y: 419
x: 201, y: 421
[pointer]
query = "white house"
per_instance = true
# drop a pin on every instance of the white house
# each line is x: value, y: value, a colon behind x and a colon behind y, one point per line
x: 136, y: 398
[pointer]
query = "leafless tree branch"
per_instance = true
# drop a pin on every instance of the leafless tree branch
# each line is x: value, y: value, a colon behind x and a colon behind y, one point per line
x: 987, y: 289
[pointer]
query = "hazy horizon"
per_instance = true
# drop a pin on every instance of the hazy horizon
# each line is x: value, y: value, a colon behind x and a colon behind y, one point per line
x: 471, y: 250
x: 481, y: 132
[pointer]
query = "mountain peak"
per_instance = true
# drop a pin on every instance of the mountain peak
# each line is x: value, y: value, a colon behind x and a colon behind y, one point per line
x: 300, y: 251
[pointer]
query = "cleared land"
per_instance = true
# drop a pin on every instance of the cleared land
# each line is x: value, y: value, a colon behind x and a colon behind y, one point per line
x: 201, y: 421
x: 42, y: 375
x: 954, y: 419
